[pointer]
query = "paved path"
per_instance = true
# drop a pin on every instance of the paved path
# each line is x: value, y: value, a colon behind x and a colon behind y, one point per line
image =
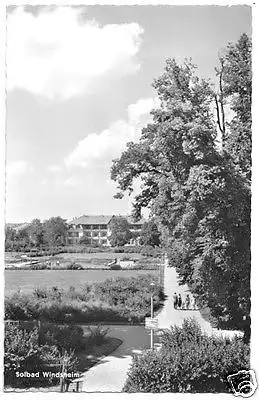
x: 169, y: 316
x: 110, y: 374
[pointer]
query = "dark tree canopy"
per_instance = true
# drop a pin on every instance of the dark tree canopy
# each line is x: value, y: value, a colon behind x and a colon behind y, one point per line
x: 55, y: 231
x: 120, y: 231
x: 198, y: 194
x: 149, y: 235
x: 36, y: 232
x: 237, y: 88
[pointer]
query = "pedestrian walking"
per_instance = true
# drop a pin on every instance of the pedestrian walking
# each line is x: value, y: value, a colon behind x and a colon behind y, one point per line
x: 175, y: 300
x: 187, y: 302
x: 180, y: 302
x: 194, y: 304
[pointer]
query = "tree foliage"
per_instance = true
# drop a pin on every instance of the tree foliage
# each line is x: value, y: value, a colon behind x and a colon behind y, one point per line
x: 237, y: 89
x: 50, y: 233
x: 36, y: 232
x: 55, y: 231
x: 198, y: 194
x: 149, y: 235
x: 120, y: 231
x: 17, y: 239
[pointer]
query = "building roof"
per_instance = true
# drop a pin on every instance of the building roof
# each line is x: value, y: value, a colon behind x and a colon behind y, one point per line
x: 102, y: 220
x: 91, y: 220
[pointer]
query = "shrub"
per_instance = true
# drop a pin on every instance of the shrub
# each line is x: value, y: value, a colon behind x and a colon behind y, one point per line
x: 115, y: 266
x: 21, y: 307
x: 118, y: 249
x: 40, y: 293
x: 120, y: 299
x: 24, y: 353
x: 64, y: 337
x: 125, y: 258
x: 97, y: 334
x: 75, y: 266
x: 189, y: 361
x: 150, y: 251
x: 39, y: 266
x: 130, y: 296
x: 132, y: 249
x: 147, y: 263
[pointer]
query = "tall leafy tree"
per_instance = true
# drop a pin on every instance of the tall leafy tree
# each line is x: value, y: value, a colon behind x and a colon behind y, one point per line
x: 36, y: 232
x: 120, y: 231
x: 10, y: 236
x: 235, y: 89
x: 149, y: 235
x: 198, y: 194
x: 55, y: 231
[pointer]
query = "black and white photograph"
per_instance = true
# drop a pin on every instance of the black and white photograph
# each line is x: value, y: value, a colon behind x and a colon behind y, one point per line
x: 127, y: 222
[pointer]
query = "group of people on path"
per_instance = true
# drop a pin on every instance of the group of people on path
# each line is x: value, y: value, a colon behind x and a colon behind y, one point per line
x: 180, y: 304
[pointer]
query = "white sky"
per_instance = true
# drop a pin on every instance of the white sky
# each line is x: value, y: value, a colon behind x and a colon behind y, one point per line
x: 79, y: 88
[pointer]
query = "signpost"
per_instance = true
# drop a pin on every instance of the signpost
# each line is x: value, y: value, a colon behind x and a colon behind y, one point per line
x: 151, y: 323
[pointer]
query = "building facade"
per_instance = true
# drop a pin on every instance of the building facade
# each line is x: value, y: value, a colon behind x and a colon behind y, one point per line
x: 95, y: 229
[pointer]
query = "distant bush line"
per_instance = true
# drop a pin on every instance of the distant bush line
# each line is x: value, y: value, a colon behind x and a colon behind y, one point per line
x: 144, y: 250
x: 143, y: 264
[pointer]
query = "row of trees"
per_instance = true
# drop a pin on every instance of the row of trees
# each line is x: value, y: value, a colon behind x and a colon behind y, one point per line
x: 194, y: 161
x: 53, y: 233
x: 50, y: 233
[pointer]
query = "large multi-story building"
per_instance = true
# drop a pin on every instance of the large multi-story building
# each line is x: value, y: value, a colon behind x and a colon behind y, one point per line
x: 96, y: 228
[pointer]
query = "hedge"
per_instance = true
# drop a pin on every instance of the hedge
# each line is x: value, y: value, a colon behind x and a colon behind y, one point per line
x: 189, y: 362
x: 113, y: 300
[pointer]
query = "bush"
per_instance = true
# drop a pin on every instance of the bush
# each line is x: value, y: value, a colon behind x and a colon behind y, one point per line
x: 118, y: 250
x: 150, y: 251
x: 189, y: 362
x: 121, y: 299
x: 125, y: 258
x: 24, y: 353
x: 21, y: 307
x: 40, y: 293
x: 98, y: 334
x: 129, y: 296
x: 147, y: 263
x: 39, y: 266
x: 132, y: 249
x: 64, y: 337
x: 115, y: 266
x: 74, y: 266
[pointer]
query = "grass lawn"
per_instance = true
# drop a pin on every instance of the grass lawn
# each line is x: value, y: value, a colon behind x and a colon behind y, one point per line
x: 86, y: 361
x: 27, y: 281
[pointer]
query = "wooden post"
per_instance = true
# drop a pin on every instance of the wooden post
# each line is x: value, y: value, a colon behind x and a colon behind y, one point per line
x: 63, y: 371
x: 61, y: 377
